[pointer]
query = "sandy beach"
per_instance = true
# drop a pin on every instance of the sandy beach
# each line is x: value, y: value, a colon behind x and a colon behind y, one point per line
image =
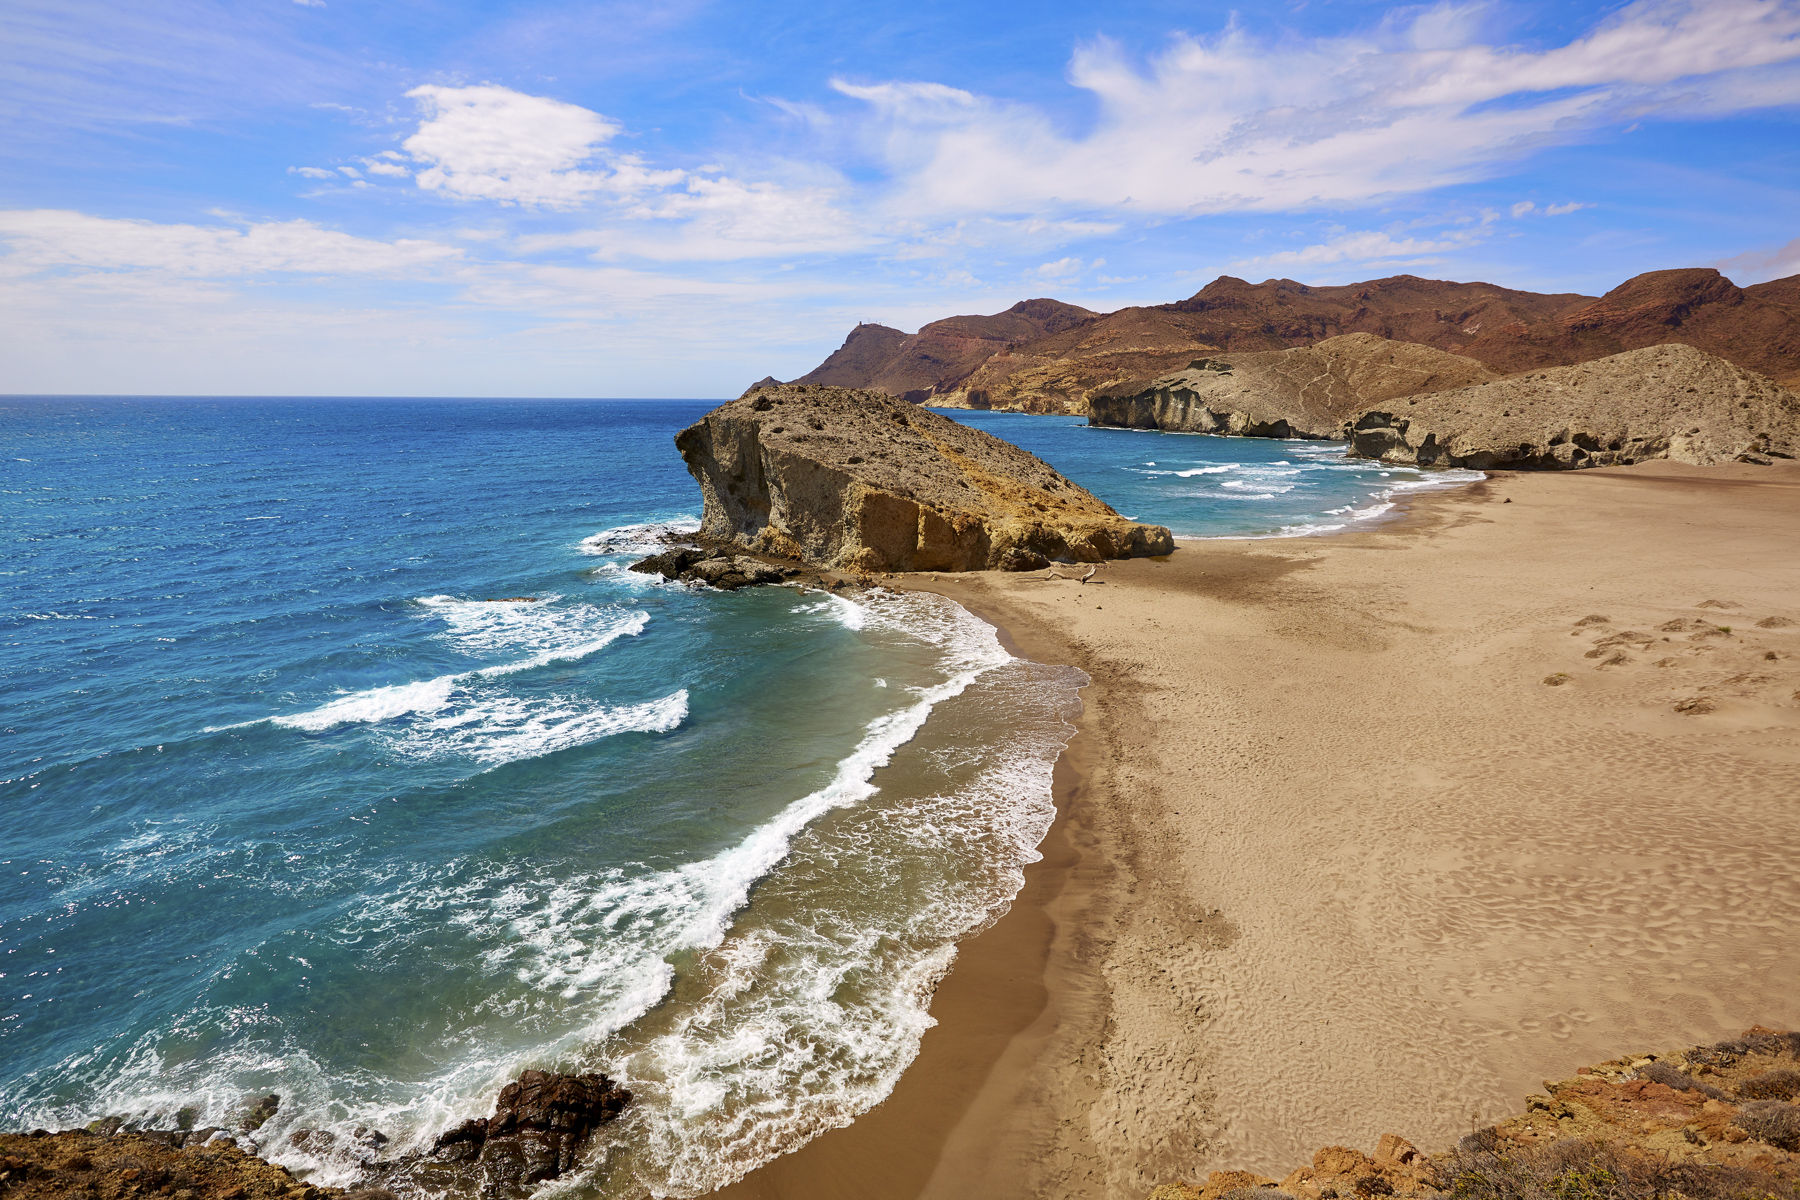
x: 1373, y: 832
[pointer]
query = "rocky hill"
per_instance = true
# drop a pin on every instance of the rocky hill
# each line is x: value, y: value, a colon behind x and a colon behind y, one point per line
x: 1715, y: 1122
x: 1309, y: 391
x: 860, y: 481
x: 917, y: 365
x: 1504, y: 329
x: 1669, y: 401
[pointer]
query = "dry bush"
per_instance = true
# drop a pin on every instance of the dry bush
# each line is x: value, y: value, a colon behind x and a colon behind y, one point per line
x: 1782, y: 1084
x: 1577, y: 1170
x: 1681, y: 1081
x: 1771, y: 1121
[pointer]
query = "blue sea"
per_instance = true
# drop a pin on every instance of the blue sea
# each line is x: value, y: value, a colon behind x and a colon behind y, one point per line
x: 340, y: 757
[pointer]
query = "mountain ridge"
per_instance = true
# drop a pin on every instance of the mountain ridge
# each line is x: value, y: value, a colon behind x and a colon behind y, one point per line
x: 1043, y: 355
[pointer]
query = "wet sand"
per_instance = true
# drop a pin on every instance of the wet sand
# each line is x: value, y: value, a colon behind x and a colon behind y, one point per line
x: 1373, y: 832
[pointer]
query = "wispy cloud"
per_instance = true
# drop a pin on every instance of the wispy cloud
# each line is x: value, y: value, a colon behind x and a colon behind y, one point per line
x: 53, y: 241
x: 1757, y: 266
x: 1237, y: 123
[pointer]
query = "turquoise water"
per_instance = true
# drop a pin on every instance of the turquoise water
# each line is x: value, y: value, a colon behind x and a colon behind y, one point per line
x: 340, y: 758
x: 1205, y: 486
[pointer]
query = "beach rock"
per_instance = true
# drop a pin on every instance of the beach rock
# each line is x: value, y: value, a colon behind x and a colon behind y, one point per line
x: 77, y: 1164
x: 1307, y: 392
x: 858, y: 481
x: 541, y: 1123
x: 260, y: 1109
x: 1671, y: 401
x: 713, y: 568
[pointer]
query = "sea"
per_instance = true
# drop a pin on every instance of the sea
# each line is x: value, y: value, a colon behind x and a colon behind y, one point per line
x: 342, y: 758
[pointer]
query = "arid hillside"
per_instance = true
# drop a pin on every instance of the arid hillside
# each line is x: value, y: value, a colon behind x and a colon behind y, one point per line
x: 1047, y: 357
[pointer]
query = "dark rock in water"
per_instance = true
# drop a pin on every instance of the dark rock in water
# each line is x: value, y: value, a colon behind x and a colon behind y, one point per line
x: 260, y: 1110
x: 540, y: 1124
x: 714, y: 568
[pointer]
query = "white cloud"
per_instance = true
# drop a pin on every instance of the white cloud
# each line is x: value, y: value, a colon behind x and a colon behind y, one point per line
x: 492, y: 143
x: 41, y: 241
x: 310, y: 172
x: 350, y: 172
x: 310, y: 3
x: 384, y: 166
x: 1234, y: 123
x: 1371, y: 246
x: 1522, y: 207
x: 1563, y: 210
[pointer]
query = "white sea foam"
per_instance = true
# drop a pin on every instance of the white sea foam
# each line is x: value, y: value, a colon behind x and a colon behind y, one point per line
x: 504, y: 729
x: 551, y: 632
x: 374, y: 704
x: 644, y: 538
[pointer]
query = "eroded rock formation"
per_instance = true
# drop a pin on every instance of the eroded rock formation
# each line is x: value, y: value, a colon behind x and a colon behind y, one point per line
x: 859, y: 481
x: 1671, y: 402
x: 1308, y: 392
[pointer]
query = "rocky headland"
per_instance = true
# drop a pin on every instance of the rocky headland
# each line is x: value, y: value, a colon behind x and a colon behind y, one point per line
x: 1307, y: 392
x: 1670, y: 401
x: 1713, y: 1121
x: 541, y: 1125
x: 859, y: 481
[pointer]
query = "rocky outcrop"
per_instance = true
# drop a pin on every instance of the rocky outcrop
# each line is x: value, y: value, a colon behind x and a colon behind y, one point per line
x: 715, y: 568
x: 1307, y: 392
x: 1672, y: 402
x: 540, y: 1126
x: 1713, y: 1121
x: 858, y: 481
x: 113, y: 1162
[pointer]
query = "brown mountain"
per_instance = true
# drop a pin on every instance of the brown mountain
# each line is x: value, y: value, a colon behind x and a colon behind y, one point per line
x: 1506, y: 330
x: 942, y: 353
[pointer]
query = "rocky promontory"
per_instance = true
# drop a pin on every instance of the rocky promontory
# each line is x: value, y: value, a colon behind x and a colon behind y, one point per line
x: 1306, y: 392
x: 1669, y: 401
x: 859, y: 481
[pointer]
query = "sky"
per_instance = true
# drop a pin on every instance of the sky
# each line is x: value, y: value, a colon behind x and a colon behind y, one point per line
x: 547, y: 198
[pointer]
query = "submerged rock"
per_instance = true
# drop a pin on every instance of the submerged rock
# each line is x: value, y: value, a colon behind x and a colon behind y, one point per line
x: 1671, y: 401
x: 859, y: 481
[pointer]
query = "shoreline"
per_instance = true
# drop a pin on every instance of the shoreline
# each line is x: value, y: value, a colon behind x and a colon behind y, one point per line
x: 1047, y: 1045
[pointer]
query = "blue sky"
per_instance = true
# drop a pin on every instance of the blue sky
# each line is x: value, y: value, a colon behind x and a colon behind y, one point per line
x: 431, y: 198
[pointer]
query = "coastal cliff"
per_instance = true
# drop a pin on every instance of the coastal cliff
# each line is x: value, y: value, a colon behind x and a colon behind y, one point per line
x: 1671, y: 402
x: 1307, y: 392
x: 857, y: 480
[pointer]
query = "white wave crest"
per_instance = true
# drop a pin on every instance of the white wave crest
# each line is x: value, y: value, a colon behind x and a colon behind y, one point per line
x: 644, y: 538
x: 510, y: 728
